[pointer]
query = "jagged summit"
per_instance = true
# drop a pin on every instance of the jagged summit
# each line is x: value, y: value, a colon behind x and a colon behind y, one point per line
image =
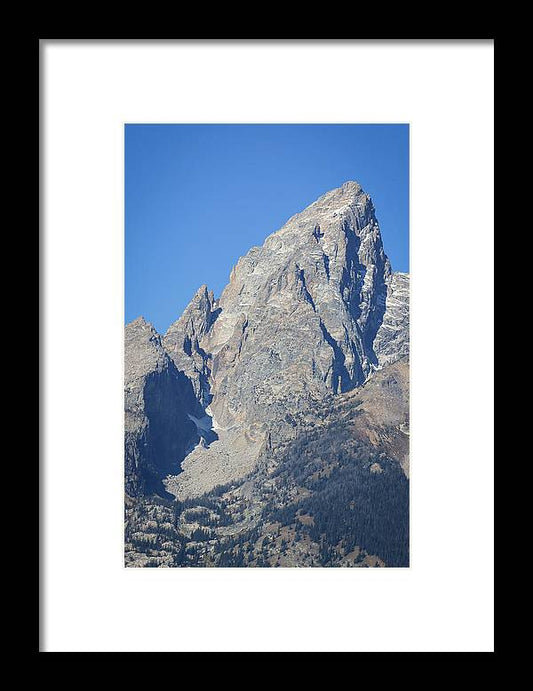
x: 143, y: 349
x: 139, y: 323
x: 346, y: 192
x: 196, y: 318
x: 182, y: 341
x: 349, y: 190
x: 347, y: 200
x: 301, y: 312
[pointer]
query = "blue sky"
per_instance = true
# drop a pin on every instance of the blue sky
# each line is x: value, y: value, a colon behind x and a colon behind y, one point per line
x: 197, y: 197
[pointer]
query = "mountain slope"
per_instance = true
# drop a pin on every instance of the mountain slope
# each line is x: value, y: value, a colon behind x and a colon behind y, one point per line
x: 336, y: 494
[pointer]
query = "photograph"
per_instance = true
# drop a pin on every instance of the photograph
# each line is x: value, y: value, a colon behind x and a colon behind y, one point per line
x: 266, y: 345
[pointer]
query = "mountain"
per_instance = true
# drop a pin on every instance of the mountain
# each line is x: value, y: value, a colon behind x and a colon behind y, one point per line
x: 158, y: 399
x: 392, y: 338
x: 309, y: 337
x: 183, y: 337
x: 320, y: 281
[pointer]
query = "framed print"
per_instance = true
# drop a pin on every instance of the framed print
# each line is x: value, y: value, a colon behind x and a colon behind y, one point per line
x: 267, y: 387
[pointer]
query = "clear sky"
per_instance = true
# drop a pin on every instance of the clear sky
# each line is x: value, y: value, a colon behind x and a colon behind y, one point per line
x: 197, y: 197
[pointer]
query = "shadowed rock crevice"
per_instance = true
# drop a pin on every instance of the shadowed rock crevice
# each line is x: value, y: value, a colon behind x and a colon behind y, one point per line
x: 214, y: 316
x: 300, y: 273
x: 168, y: 398
x: 353, y: 274
x: 364, y: 281
x: 340, y: 377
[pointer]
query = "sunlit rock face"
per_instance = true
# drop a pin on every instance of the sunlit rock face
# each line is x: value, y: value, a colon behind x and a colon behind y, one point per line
x: 182, y: 341
x: 392, y: 339
x: 300, y: 314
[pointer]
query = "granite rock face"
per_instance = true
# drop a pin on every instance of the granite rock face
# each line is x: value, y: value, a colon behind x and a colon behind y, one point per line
x: 392, y: 339
x: 300, y: 314
x: 158, y: 399
x: 182, y: 342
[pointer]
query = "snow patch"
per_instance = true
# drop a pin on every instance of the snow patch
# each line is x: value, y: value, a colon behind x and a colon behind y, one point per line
x: 202, y: 423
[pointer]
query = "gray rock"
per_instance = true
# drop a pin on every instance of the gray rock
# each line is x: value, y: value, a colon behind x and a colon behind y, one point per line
x: 158, y: 398
x: 183, y: 337
x: 300, y: 314
x: 392, y: 339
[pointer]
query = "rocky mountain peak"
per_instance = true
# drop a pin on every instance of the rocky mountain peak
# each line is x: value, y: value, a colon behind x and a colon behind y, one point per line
x: 348, y: 193
x: 347, y: 200
x: 196, y: 319
x: 143, y: 349
x: 311, y: 313
x: 183, y: 339
x: 323, y: 275
x: 139, y: 326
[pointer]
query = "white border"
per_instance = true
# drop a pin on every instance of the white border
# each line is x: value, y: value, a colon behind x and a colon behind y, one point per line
x: 444, y: 602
